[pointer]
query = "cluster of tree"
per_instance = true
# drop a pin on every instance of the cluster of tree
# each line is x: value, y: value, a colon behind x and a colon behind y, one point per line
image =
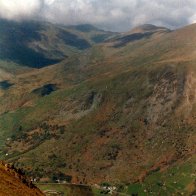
x: 46, y: 132
x: 59, y: 176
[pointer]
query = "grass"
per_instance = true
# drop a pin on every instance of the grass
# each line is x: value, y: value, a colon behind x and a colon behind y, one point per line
x: 174, y: 180
x: 69, y: 190
x: 59, y: 188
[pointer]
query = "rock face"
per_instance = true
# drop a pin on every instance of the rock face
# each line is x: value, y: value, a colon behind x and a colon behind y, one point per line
x: 14, y: 183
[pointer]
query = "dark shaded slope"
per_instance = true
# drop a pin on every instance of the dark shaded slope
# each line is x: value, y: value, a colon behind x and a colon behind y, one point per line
x: 45, y: 90
x: 143, y: 32
x: 14, y: 40
x: 39, y: 44
x: 130, y: 38
x: 73, y: 40
x: 5, y: 85
x: 86, y: 28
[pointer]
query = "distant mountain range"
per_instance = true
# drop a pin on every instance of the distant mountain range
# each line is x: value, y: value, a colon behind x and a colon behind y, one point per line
x: 97, y: 106
x: 36, y: 44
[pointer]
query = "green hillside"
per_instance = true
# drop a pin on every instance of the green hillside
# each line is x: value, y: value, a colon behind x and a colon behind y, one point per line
x: 121, y: 112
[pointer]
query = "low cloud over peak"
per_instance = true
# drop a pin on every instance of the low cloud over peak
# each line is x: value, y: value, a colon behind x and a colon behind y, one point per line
x: 116, y: 15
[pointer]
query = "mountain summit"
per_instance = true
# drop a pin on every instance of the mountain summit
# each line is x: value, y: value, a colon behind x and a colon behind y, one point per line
x: 148, y: 28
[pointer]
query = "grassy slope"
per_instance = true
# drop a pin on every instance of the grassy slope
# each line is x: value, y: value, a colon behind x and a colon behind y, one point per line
x: 136, y: 104
x: 69, y: 190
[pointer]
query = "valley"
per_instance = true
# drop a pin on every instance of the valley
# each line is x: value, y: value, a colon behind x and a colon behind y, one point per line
x: 117, y: 108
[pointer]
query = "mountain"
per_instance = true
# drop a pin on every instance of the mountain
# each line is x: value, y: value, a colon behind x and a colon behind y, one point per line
x: 148, y: 28
x: 38, y: 44
x: 122, y: 112
x: 14, y: 183
x: 141, y: 32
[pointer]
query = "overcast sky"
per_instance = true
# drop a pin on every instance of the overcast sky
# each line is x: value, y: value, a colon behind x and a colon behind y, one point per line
x: 115, y: 15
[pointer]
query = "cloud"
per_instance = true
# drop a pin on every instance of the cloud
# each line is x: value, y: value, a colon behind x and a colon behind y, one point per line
x: 19, y: 9
x: 119, y: 15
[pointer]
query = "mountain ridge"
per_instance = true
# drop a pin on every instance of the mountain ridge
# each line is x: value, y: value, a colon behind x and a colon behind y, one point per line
x: 147, y: 27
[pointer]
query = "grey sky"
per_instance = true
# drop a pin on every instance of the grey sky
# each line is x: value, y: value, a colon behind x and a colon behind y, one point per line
x: 116, y: 15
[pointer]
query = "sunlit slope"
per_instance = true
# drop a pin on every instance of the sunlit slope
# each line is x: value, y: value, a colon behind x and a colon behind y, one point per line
x: 121, y: 111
